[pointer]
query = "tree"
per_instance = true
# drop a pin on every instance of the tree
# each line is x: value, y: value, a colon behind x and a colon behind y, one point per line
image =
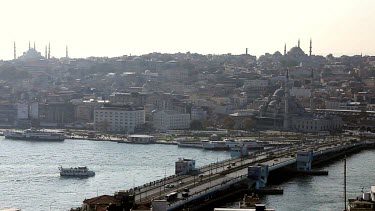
x: 228, y: 122
x: 248, y: 123
x: 196, y: 125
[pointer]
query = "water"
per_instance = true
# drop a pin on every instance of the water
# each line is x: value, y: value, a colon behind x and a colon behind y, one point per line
x: 30, y: 180
x: 29, y: 176
x: 321, y: 193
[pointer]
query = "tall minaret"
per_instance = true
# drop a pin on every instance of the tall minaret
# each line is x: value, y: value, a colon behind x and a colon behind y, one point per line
x: 66, y: 52
x: 285, y: 49
x: 286, y: 101
x: 312, y: 91
x: 14, y: 50
x: 29, y: 45
x: 34, y: 46
x: 310, y: 47
x: 298, y: 43
x: 45, y: 52
x: 49, y: 51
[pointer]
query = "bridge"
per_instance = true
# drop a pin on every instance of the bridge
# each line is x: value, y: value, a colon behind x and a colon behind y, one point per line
x: 220, y: 176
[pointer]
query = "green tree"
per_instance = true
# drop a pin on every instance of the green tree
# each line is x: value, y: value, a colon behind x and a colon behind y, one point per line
x: 248, y: 123
x: 229, y: 123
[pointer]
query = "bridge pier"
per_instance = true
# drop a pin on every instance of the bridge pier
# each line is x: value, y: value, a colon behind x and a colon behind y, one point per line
x: 259, y: 175
x: 304, y: 160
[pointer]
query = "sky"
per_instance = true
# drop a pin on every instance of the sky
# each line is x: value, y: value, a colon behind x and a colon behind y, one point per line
x: 123, y: 27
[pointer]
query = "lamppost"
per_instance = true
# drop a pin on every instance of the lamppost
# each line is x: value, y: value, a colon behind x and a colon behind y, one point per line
x: 51, y: 205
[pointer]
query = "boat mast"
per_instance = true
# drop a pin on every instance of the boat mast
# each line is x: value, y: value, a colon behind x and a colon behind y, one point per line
x: 345, y: 183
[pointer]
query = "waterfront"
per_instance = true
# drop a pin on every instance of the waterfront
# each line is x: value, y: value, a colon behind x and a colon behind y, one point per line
x: 30, y: 180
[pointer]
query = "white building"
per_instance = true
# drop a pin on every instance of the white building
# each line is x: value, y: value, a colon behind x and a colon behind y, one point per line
x: 118, y: 118
x: 300, y: 92
x: 184, y: 166
x: 256, y: 84
x: 198, y: 114
x: 316, y: 124
x: 170, y: 120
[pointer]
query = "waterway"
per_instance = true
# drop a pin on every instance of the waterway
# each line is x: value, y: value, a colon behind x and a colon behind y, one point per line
x: 29, y: 176
x: 30, y: 180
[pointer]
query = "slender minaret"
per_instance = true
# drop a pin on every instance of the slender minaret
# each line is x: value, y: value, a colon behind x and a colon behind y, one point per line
x: 298, y: 43
x: 45, y: 52
x: 285, y: 49
x: 14, y: 50
x: 66, y: 52
x: 29, y: 45
x: 34, y: 46
x: 246, y: 51
x: 312, y: 91
x: 49, y: 50
x: 286, y: 101
x: 310, y: 47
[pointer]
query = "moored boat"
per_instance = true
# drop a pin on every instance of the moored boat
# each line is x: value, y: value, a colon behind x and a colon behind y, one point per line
x: 34, y: 135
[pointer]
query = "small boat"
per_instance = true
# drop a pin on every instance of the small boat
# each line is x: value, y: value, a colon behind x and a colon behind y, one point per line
x: 81, y: 171
x: 363, y: 202
x: 250, y: 201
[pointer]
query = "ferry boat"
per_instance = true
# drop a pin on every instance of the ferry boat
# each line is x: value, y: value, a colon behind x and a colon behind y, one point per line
x: 184, y: 142
x: 364, y: 202
x: 141, y: 139
x: 81, y: 171
x: 34, y: 135
x: 215, y: 145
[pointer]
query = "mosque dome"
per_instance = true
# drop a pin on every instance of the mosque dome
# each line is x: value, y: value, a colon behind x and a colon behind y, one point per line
x: 296, y: 51
x: 279, y: 93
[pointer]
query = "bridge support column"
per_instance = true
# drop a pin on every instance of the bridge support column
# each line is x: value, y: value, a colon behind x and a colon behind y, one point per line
x: 304, y: 160
x: 259, y: 175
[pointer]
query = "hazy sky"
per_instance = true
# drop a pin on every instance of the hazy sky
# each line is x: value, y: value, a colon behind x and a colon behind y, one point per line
x: 123, y: 27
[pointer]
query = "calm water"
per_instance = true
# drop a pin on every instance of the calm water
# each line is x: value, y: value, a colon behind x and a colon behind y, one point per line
x: 320, y: 193
x: 29, y: 176
x: 30, y: 180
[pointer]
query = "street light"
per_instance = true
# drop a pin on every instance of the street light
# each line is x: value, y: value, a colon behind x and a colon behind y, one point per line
x: 51, y: 205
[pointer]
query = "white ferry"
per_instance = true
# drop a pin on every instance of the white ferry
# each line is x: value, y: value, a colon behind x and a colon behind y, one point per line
x: 35, y: 135
x: 81, y: 171
x: 215, y: 145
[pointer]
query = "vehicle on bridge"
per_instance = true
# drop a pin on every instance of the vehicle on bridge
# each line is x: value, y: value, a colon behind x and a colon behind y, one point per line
x: 171, y: 196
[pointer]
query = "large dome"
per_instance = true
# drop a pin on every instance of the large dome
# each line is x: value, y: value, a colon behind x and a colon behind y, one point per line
x: 296, y: 51
x: 279, y: 93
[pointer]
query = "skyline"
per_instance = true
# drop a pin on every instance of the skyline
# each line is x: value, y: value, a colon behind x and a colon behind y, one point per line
x: 116, y: 28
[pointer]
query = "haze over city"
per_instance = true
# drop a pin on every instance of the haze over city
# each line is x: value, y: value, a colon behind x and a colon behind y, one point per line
x: 115, y: 28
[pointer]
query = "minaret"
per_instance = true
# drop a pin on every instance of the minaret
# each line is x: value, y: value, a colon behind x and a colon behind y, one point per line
x: 34, y: 46
x: 45, y: 52
x: 246, y: 51
x: 286, y: 101
x: 49, y: 51
x: 285, y: 49
x: 29, y: 45
x: 66, y: 52
x: 312, y: 91
x: 298, y: 43
x: 310, y: 47
x: 14, y: 50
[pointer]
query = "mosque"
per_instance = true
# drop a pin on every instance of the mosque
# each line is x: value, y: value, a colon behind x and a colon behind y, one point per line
x: 284, y: 112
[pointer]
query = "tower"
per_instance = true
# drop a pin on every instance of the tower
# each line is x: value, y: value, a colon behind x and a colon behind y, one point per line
x: 49, y: 51
x: 298, y: 43
x: 286, y: 101
x: 34, y: 46
x: 45, y: 52
x: 14, y: 50
x: 285, y: 49
x: 310, y: 47
x: 66, y: 52
x: 312, y: 91
x: 29, y: 45
x: 246, y: 51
